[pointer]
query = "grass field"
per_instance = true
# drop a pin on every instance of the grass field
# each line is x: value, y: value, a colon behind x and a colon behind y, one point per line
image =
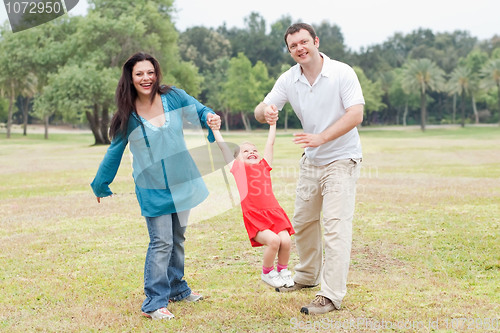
x: 426, y: 249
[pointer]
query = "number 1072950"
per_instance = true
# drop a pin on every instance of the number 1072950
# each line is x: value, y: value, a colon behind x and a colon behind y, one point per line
x: 31, y: 7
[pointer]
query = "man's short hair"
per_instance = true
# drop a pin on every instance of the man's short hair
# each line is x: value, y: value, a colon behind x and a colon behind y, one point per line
x: 297, y: 27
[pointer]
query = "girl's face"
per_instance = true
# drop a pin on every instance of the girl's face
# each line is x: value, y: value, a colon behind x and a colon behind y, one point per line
x: 248, y: 154
x: 143, y: 77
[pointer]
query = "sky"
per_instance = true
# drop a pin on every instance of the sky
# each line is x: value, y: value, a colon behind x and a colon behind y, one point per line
x: 362, y: 22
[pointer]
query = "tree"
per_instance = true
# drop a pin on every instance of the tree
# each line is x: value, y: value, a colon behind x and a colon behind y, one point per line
x: 14, y: 73
x: 422, y: 75
x: 4, y: 107
x: 245, y: 86
x: 100, y: 43
x: 399, y: 98
x: 78, y: 93
x: 446, y: 48
x: 119, y: 28
x: 491, y: 78
x: 331, y: 40
x: 474, y: 61
x: 53, y: 49
x: 27, y: 94
x: 372, y: 93
x: 203, y: 47
x: 215, y: 90
x: 255, y: 43
x: 459, y: 83
x: 281, y: 55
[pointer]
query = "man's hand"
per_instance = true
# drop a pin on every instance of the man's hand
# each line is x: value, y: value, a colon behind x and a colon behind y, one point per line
x: 271, y: 114
x: 308, y: 140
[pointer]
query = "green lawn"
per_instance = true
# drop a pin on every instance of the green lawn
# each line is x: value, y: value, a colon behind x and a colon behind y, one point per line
x: 426, y: 253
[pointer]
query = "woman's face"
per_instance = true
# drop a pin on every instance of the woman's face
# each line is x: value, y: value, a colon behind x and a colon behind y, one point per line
x: 143, y: 77
x: 248, y: 154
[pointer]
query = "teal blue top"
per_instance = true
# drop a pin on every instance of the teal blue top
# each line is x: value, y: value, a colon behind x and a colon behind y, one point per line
x: 166, y: 178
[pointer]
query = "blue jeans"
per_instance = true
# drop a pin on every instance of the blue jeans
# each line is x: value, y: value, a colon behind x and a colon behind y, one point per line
x: 164, y: 267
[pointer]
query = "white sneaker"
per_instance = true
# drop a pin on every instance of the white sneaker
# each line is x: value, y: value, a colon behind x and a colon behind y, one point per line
x: 161, y: 313
x: 193, y: 297
x: 286, y: 277
x: 273, y: 279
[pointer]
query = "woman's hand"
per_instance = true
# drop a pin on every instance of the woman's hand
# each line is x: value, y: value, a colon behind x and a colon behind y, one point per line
x: 213, y: 121
x: 99, y: 199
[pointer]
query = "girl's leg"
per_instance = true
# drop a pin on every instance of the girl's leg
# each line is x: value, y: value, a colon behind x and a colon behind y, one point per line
x: 272, y: 242
x: 283, y: 257
x: 285, y: 246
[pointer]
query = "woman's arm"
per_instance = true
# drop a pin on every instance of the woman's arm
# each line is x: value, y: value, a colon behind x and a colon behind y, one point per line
x: 108, y: 168
x: 179, y: 98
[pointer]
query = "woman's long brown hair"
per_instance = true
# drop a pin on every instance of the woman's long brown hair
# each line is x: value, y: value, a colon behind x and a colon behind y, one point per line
x: 126, y: 93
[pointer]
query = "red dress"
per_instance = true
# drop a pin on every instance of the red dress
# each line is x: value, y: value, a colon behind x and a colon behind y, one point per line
x: 260, y: 208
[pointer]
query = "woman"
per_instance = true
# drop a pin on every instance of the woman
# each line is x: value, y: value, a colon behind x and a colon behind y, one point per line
x: 167, y: 183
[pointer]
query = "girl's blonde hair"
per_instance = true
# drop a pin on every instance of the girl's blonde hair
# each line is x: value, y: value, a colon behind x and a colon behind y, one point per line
x: 238, y: 148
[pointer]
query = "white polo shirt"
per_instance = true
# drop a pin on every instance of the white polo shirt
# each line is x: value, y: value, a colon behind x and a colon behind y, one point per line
x: 320, y: 105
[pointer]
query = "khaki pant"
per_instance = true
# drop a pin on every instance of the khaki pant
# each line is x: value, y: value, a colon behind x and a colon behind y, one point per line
x: 329, y: 188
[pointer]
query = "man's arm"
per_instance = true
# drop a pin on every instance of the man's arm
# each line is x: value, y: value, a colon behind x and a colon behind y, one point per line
x: 352, y: 118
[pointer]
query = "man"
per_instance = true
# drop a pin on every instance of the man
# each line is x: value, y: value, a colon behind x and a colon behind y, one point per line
x: 327, y: 98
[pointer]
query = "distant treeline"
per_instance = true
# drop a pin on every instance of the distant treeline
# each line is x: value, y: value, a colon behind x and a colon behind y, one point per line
x: 66, y: 71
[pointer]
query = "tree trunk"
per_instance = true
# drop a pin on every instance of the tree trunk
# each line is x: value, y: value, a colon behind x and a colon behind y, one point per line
x: 46, y: 127
x: 9, y: 117
x: 25, y: 102
x: 498, y: 91
x: 423, y: 111
x: 462, y: 111
x: 454, y: 108
x: 225, y: 114
x: 246, y: 123
x: 105, y: 124
x: 474, y: 108
x: 94, y: 127
x: 405, y: 113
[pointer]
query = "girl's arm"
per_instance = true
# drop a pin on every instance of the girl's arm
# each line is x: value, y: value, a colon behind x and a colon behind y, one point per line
x: 269, y: 150
x: 226, y: 152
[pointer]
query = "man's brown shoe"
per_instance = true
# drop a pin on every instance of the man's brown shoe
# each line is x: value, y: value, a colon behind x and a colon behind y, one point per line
x: 296, y: 286
x: 319, y: 305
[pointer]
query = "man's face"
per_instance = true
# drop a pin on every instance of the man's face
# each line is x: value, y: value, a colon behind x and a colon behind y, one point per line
x: 302, y: 46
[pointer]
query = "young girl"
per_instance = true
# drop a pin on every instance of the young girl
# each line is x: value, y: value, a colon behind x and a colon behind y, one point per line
x: 266, y: 222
